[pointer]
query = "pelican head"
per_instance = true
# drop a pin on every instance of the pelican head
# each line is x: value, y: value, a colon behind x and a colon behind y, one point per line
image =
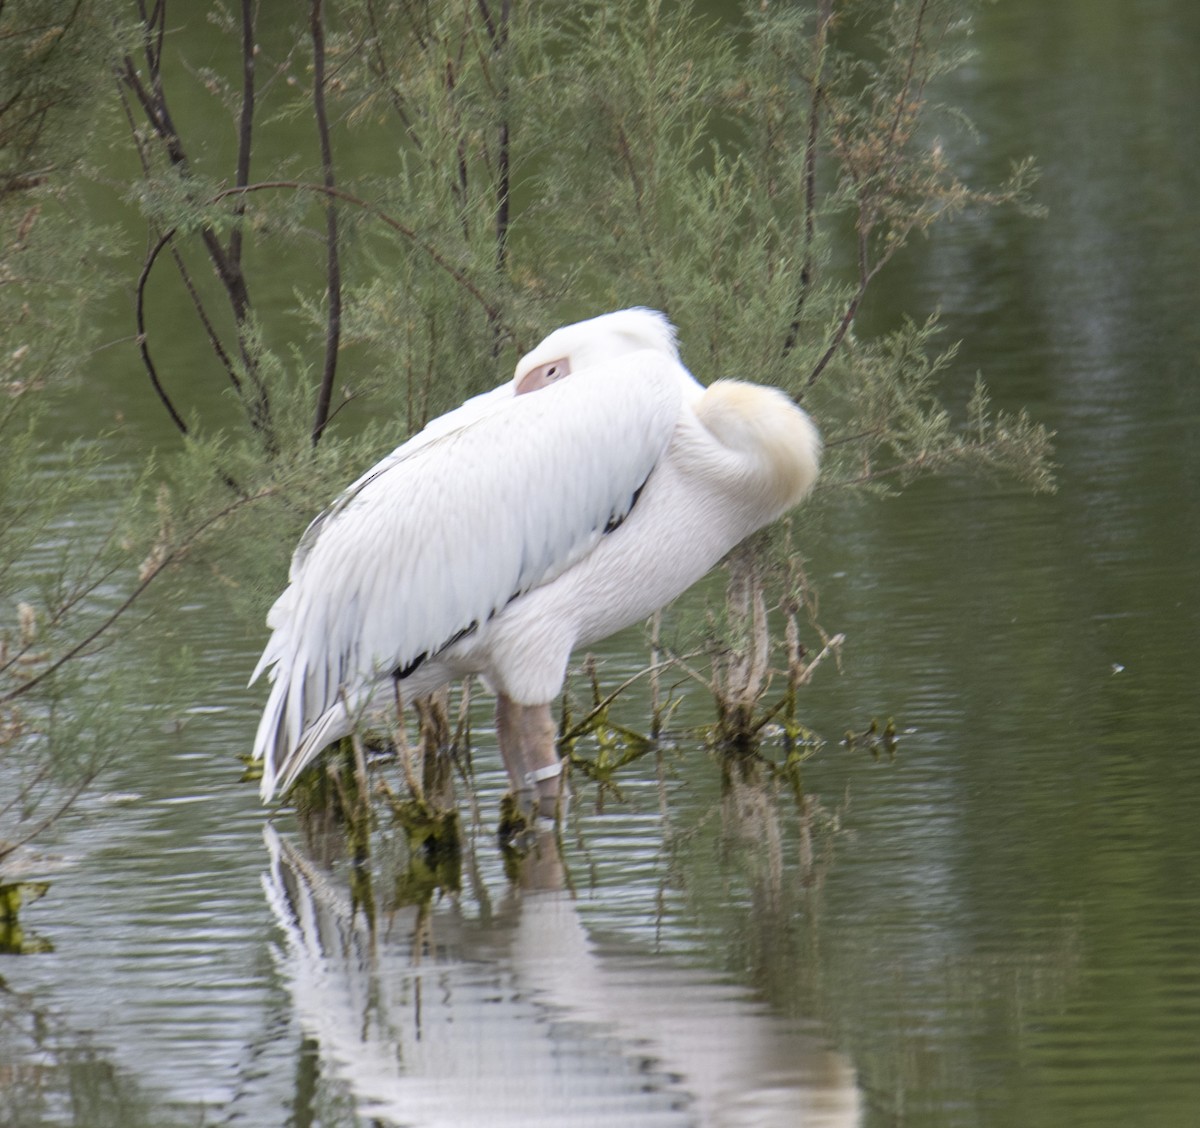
x: 574, y: 347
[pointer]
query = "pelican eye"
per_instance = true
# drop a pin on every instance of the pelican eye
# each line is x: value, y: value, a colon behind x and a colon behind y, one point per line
x: 544, y: 375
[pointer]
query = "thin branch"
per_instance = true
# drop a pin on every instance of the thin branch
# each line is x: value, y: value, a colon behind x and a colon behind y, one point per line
x: 74, y: 593
x: 635, y: 181
x: 32, y: 832
x: 245, y: 127
x: 185, y: 275
x: 682, y: 661
x: 584, y: 725
x: 502, y: 198
x: 142, y: 337
x: 20, y: 798
x: 151, y: 95
x: 409, y: 233
x: 868, y: 204
x: 383, y: 69
x: 499, y: 36
x: 206, y: 322
x: 824, y: 15
x: 333, y: 325
x: 489, y: 21
x: 142, y: 342
x: 458, y: 188
x: 920, y: 461
x: 839, y: 334
x: 150, y: 575
x: 902, y: 93
x: 841, y: 440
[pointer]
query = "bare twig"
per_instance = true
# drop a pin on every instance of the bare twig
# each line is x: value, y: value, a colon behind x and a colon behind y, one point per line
x: 884, y: 157
x: 142, y: 342
x: 32, y: 832
x: 499, y: 35
x: 245, y: 129
x: 600, y: 704
x: 333, y: 270
x: 184, y: 274
x: 21, y: 797
x: 902, y: 95
x: 384, y: 68
x: 408, y: 233
x: 151, y: 96
x: 843, y: 327
x: 164, y: 561
x: 821, y: 38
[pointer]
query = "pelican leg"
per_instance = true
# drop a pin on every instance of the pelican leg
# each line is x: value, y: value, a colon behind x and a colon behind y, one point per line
x: 528, y: 743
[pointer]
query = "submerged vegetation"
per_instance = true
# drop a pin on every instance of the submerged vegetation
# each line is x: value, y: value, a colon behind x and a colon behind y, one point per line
x: 474, y: 175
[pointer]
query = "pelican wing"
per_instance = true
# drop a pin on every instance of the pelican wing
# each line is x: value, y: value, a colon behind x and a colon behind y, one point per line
x: 474, y: 408
x: 437, y: 538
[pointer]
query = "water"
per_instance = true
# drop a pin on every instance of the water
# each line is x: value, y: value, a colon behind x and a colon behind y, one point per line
x: 998, y: 927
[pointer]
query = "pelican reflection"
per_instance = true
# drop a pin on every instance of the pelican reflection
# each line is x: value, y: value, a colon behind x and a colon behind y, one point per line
x: 430, y: 1018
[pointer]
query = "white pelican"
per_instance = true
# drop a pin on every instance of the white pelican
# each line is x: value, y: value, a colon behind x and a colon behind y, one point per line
x: 518, y: 527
